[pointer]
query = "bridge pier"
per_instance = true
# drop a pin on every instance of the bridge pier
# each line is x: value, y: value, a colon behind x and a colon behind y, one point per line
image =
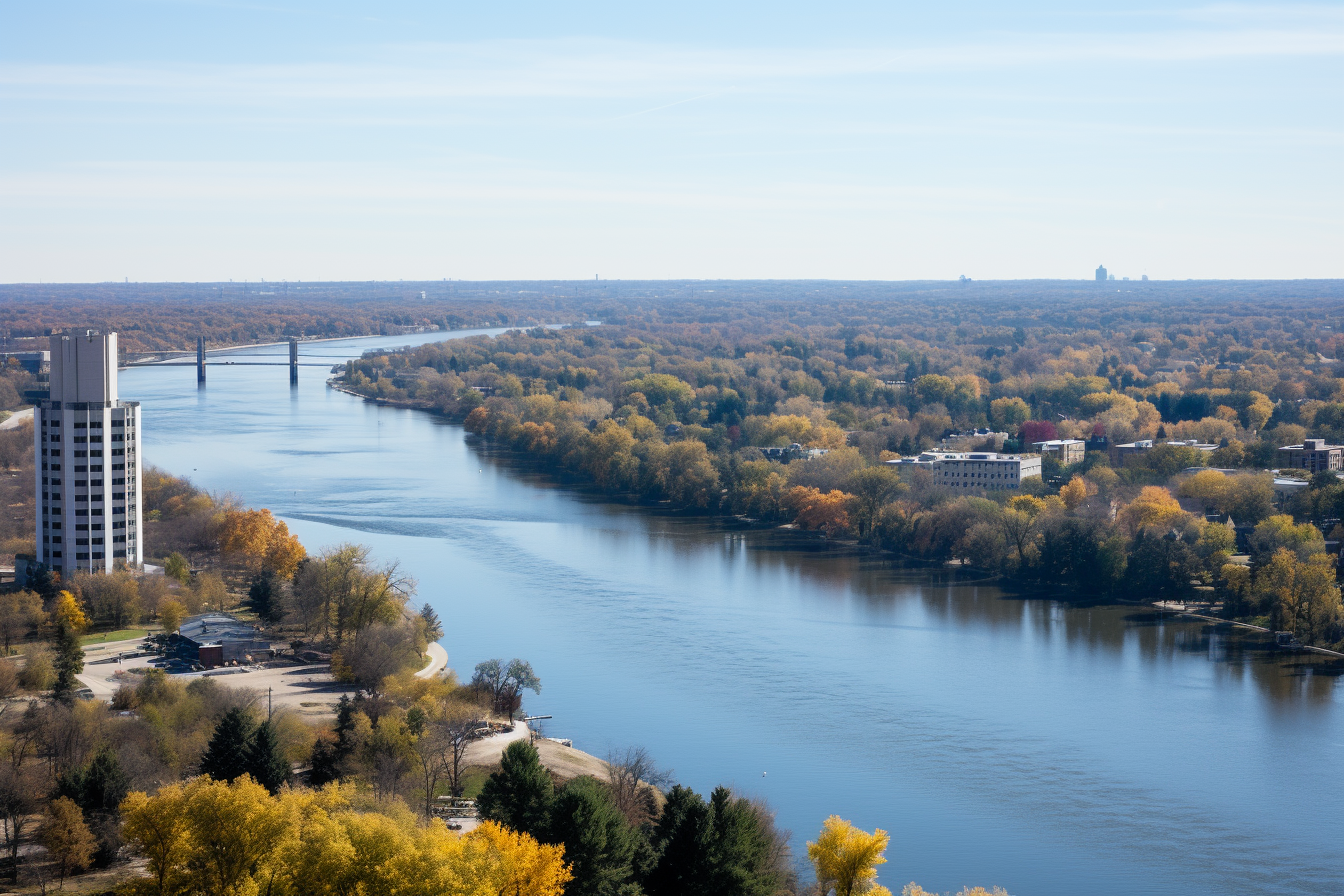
x: 200, y: 360
x: 293, y: 362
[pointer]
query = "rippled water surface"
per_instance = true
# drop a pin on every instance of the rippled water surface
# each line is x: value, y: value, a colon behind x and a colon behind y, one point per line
x: 1049, y: 749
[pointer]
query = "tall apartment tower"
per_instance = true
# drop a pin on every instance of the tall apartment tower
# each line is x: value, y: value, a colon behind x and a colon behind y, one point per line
x: 88, y: 448
x: 1101, y: 272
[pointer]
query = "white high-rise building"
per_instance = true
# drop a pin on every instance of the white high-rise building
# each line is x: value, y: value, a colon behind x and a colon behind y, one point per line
x: 88, y: 449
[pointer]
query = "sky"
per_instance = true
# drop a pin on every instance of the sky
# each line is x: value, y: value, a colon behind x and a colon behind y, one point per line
x: 170, y: 140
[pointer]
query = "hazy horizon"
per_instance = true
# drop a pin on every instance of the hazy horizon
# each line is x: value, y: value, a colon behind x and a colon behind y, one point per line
x: 202, y: 141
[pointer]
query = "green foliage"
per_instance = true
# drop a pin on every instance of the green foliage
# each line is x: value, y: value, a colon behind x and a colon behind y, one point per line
x: 519, y: 795
x: 227, y: 756
x: 266, y: 762
x: 98, y: 788
x: 726, y: 846
x: 263, y: 598
x: 599, y: 843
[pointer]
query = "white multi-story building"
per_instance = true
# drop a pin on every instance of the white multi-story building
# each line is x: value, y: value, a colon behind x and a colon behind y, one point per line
x: 978, y: 469
x: 88, y: 453
x: 1067, y: 451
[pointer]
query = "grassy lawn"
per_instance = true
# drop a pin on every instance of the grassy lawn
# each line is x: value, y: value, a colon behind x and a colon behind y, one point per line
x: 473, y: 779
x: 124, y: 634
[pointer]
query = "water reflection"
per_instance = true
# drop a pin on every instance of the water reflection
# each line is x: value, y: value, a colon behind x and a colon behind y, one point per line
x: 1050, y: 747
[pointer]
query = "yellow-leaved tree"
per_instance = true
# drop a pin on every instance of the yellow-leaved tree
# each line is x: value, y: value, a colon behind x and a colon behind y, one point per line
x: 1154, y: 509
x: 846, y: 859
x: 235, y: 839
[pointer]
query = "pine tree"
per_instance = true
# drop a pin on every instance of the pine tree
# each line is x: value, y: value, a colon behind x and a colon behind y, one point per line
x: 681, y: 838
x: 519, y: 795
x: 98, y: 789
x: 266, y: 762
x: 324, y: 764
x: 264, y: 600
x: 433, y: 625
x: 599, y: 843
x: 226, y: 759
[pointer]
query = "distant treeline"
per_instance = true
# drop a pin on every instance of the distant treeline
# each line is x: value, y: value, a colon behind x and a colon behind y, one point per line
x: 169, y: 316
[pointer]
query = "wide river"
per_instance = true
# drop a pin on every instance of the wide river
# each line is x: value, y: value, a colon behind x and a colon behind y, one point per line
x: 1051, y: 749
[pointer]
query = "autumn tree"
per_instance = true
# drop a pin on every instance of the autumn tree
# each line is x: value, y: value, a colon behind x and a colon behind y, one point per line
x: 20, y: 612
x: 871, y: 489
x: 68, y: 621
x: 342, y: 592
x: 159, y: 828
x: 66, y: 837
x: 1302, y: 595
x: 505, y: 683
x: 171, y: 613
x: 1154, y: 508
x: 846, y: 859
x: 260, y: 542
x: 828, y: 512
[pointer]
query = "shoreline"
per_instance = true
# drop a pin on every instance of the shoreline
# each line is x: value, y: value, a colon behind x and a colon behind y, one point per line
x: 417, y: 406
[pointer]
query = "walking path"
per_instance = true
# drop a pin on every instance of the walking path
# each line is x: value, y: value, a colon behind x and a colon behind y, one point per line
x: 438, y: 660
x: 17, y: 419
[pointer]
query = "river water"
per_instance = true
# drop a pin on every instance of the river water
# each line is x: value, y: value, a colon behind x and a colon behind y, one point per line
x: 1051, y: 749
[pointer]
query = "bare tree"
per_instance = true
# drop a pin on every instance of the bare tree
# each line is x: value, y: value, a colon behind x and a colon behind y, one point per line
x: 632, y: 777
x: 19, y: 613
x: 19, y: 801
x: 441, y: 748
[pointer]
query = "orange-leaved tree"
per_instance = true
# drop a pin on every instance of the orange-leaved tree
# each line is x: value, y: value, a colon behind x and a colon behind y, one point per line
x: 260, y: 541
x: 815, y: 509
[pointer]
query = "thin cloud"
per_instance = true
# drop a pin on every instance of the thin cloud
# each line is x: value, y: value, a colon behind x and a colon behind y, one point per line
x: 602, y: 69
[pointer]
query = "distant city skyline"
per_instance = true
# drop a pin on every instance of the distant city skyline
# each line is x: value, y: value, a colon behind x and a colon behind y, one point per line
x: 165, y: 141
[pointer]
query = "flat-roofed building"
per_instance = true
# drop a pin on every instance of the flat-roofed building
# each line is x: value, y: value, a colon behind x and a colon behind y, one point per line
x: 1066, y: 451
x: 87, y: 453
x: 923, y: 461
x: 1120, y: 454
x: 1313, y: 455
x: 986, y: 470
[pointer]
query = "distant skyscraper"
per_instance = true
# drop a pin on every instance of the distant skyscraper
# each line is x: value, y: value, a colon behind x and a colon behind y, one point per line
x: 88, y: 449
x: 1101, y: 272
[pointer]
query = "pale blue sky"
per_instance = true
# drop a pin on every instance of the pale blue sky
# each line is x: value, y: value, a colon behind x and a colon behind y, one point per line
x: 291, y: 139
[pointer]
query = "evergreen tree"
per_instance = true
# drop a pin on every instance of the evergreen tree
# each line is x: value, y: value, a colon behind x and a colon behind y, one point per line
x: 226, y: 758
x: 433, y: 625
x: 681, y: 839
x: 325, y: 765
x: 720, y: 848
x: 329, y: 756
x: 98, y: 788
x: 599, y: 843
x: 263, y: 598
x: 266, y: 762
x: 738, y: 852
x: 519, y: 795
